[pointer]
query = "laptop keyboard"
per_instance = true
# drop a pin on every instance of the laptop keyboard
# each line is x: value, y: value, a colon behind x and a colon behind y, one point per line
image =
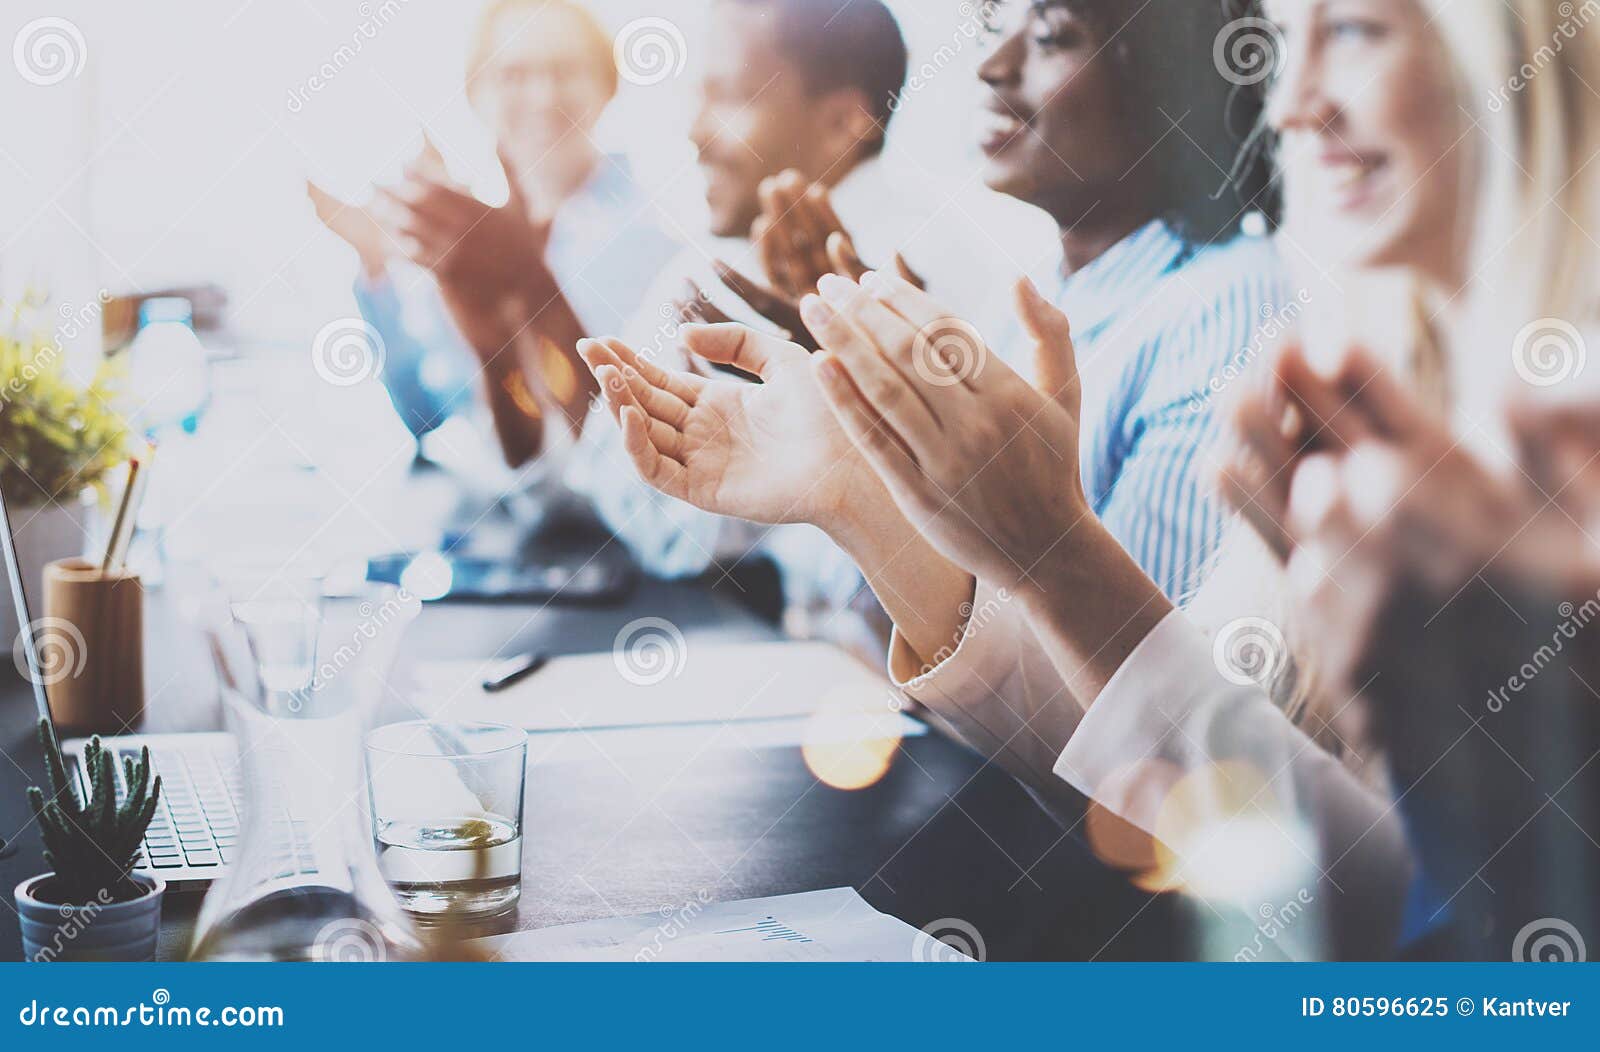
x: 196, y: 823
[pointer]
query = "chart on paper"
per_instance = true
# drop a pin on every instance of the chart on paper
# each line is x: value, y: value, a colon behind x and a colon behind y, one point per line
x: 832, y: 925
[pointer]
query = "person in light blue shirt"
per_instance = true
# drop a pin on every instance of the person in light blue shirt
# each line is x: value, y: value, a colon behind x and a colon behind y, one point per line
x: 1091, y: 117
x: 539, y: 74
x: 1156, y: 318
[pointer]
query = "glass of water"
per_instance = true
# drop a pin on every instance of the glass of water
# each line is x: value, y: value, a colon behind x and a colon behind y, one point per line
x: 280, y: 611
x: 447, y: 815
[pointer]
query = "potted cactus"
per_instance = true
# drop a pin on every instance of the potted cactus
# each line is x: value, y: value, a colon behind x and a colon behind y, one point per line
x: 91, y: 906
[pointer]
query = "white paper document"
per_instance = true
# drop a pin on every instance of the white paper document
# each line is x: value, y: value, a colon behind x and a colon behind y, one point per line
x: 700, y: 682
x: 832, y: 925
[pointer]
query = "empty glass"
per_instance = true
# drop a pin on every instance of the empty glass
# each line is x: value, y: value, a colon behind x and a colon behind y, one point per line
x: 446, y: 803
x: 281, y: 613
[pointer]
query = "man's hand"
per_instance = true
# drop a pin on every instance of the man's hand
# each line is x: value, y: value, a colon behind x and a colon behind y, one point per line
x: 799, y: 239
x: 769, y: 452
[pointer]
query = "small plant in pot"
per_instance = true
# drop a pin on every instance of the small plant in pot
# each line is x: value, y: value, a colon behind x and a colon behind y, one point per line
x: 91, y: 906
x: 62, y: 436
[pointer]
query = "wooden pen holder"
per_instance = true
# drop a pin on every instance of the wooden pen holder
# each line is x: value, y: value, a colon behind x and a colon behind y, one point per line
x: 91, y: 647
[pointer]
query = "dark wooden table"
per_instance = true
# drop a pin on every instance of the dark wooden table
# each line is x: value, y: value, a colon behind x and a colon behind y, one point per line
x: 941, y: 835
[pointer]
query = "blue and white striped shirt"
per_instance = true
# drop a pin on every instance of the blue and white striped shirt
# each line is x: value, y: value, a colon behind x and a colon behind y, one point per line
x: 1156, y: 324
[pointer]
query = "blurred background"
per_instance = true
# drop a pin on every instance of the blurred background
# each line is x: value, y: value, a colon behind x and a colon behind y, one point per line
x: 164, y: 147
x: 178, y: 156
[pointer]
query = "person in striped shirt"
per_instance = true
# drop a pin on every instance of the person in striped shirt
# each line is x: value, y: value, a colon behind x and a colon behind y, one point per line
x: 1106, y: 119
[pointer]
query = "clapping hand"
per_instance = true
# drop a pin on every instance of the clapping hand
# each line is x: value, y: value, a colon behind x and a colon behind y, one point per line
x: 1375, y: 497
x: 799, y: 238
x: 482, y: 254
x: 356, y: 226
x: 769, y: 452
x: 982, y: 463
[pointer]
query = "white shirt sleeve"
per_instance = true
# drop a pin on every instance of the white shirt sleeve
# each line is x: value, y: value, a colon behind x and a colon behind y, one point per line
x: 996, y: 689
x: 1189, y: 756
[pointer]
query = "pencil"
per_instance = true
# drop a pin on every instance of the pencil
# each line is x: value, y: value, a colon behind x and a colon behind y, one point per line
x: 122, y: 515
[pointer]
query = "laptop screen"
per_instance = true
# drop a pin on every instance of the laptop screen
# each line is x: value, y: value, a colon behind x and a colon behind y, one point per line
x: 19, y: 599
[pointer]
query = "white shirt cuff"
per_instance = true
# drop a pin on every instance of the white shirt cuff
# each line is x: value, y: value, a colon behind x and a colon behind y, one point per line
x: 975, y: 663
x: 1151, y: 695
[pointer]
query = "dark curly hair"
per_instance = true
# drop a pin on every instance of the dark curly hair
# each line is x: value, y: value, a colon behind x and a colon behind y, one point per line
x: 1203, y: 128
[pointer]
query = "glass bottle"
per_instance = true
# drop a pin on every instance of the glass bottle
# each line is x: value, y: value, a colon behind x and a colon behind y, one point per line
x: 304, y: 883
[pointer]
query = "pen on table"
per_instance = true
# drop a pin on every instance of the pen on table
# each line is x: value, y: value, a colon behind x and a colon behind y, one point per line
x: 514, y: 670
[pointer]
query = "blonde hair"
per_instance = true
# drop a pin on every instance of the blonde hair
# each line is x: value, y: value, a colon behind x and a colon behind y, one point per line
x: 596, y: 40
x: 1522, y: 71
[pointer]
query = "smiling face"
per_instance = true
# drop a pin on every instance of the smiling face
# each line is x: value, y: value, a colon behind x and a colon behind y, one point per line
x: 757, y: 117
x: 1371, y: 142
x: 1053, y: 131
x: 543, y: 84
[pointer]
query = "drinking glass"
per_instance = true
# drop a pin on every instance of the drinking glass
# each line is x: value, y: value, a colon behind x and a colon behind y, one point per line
x: 446, y: 802
x: 281, y: 613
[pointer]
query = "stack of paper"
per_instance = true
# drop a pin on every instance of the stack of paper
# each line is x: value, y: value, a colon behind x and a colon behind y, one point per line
x: 832, y: 925
x: 709, y: 683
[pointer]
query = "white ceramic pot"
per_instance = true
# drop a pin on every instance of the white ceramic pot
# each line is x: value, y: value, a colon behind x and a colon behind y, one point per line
x: 99, y: 931
x: 43, y: 535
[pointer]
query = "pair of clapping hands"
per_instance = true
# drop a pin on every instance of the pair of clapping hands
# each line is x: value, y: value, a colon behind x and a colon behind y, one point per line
x: 799, y: 239
x: 480, y: 253
x: 1364, y: 493
x: 1355, y: 485
x: 903, y: 404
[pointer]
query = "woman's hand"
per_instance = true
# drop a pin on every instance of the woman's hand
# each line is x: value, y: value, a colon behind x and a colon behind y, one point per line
x: 984, y: 465
x: 1394, y: 503
x: 492, y: 276
x: 356, y: 226
x: 770, y: 452
x: 773, y: 452
x: 1287, y: 413
x: 482, y: 254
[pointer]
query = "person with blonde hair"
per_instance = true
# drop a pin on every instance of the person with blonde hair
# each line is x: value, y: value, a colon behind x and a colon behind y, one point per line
x: 577, y: 236
x: 1085, y: 675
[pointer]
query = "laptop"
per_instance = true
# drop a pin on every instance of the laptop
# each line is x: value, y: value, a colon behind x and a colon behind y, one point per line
x: 195, y: 832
